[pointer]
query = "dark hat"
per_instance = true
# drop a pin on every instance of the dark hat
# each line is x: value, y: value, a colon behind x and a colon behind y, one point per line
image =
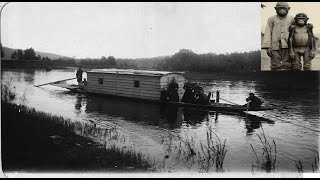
x: 251, y: 94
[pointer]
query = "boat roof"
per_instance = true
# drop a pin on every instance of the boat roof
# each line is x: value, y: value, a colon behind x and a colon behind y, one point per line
x: 133, y: 72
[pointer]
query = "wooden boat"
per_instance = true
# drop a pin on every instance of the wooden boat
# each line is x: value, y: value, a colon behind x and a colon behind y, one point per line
x: 143, y: 85
x: 220, y: 107
x: 129, y: 83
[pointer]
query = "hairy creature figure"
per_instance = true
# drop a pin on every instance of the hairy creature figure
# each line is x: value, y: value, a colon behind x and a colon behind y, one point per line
x: 276, y: 38
x: 302, y: 43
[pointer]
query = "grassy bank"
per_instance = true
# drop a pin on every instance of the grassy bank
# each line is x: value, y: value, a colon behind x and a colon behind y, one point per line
x: 36, y: 141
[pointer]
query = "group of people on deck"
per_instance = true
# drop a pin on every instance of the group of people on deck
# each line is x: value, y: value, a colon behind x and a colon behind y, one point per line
x: 194, y: 94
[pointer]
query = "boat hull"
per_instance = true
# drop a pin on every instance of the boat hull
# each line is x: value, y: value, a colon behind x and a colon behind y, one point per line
x: 220, y: 107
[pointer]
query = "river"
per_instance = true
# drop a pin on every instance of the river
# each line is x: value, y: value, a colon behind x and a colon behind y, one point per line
x: 145, y: 127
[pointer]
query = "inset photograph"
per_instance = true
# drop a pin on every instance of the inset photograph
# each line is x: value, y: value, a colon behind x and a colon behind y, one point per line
x: 290, y: 36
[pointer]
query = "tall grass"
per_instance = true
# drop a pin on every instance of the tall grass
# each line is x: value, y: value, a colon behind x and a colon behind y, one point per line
x: 8, y: 93
x: 315, y: 164
x: 206, y: 157
x: 267, y: 161
x: 213, y: 152
x: 33, y: 130
x: 299, y: 166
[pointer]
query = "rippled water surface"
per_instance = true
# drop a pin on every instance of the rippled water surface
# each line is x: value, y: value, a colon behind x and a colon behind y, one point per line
x: 146, y: 127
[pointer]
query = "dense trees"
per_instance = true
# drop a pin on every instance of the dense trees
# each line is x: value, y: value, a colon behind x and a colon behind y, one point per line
x: 184, y: 60
x: 111, y: 61
x: 27, y: 54
x: 20, y: 55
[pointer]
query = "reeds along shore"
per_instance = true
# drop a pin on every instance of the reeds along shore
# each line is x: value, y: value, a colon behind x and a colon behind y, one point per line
x: 36, y: 141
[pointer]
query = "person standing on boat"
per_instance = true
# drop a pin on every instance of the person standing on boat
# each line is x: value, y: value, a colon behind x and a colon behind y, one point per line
x: 253, y: 101
x: 189, y: 95
x: 173, y: 87
x: 79, y: 75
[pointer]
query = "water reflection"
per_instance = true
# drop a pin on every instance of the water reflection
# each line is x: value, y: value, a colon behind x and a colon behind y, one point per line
x: 253, y: 122
x: 78, y: 104
x: 168, y: 116
x: 173, y: 116
x: 131, y: 110
x: 29, y: 75
x: 194, y: 116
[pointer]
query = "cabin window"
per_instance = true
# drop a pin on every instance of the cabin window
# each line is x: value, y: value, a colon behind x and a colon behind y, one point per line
x: 136, y: 84
x: 100, y: 80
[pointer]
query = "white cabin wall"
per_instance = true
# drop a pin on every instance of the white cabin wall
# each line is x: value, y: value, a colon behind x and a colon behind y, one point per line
x: 123, y: 85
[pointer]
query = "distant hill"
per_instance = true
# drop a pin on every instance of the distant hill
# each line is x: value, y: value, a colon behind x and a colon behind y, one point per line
x: 8, y: 52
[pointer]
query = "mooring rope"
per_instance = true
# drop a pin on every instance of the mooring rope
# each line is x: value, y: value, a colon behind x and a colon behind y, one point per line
x: 229, y: 101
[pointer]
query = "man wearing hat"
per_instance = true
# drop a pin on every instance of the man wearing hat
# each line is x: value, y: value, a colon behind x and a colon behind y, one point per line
x: 276, y: 38
x: 253, y: 101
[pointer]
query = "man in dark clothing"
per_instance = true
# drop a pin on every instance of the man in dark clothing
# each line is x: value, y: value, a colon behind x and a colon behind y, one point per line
x: 173, y: 91
x: 79, y: 75
x: 253, y: 101
x: 202, y: 98
x: 189, y: 93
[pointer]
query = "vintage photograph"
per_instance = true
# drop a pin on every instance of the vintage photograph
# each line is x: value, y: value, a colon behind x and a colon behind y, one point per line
x: 159, y: 89
x: 290, y: 36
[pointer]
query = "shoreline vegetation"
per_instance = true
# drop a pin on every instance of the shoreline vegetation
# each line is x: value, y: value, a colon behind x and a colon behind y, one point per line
x: 34, y: 141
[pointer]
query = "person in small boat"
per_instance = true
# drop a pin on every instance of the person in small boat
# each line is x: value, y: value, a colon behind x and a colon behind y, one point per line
x: 79, y: 75
x: 173, y: 87
x: 253, y: 101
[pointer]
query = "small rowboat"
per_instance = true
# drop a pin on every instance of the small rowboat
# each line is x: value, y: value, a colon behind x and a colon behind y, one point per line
x: 221, y: 107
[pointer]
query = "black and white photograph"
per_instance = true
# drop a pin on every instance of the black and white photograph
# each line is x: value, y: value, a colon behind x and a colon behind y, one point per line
x: 159, y: 89
x: 290, y: 36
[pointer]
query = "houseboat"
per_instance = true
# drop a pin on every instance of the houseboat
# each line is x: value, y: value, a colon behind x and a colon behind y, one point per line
x: 144, y: 85
x: 140, y: 84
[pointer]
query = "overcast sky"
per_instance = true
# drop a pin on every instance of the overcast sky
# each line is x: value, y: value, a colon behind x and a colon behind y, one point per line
x: 312, y: 9
x: 131, y: 30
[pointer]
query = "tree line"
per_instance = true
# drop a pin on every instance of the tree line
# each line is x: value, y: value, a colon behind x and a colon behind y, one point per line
x: 27, y: 54
x: 184, y: 60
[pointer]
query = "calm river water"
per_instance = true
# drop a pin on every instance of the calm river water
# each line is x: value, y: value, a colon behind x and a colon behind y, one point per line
x: 143, y: 126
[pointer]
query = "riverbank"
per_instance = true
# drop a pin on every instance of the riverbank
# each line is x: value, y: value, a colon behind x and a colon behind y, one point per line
x: 34, y: 141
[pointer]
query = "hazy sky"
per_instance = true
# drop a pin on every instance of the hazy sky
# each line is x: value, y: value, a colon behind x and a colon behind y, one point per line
x: 312, y: 9
x: 131, y: 30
